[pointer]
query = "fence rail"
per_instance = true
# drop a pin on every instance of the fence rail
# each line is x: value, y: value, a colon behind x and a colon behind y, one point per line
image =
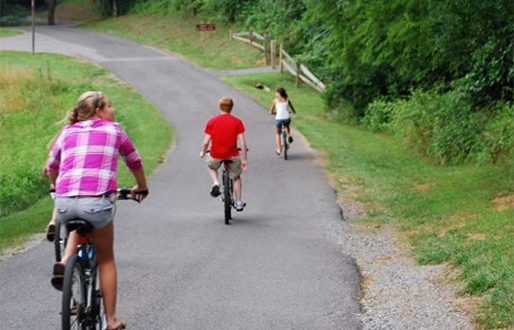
x: 285, y: 61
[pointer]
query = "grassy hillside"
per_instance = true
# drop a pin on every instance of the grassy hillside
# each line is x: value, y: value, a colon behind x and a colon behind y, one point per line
x: 35, y: 93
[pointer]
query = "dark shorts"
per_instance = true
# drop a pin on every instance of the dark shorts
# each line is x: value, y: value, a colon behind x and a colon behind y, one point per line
x: 280, y: 122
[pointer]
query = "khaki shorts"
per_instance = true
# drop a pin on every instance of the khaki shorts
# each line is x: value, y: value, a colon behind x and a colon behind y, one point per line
x: 234, y: 167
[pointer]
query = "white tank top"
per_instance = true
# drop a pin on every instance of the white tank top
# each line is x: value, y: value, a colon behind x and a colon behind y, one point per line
x: 282, y: 109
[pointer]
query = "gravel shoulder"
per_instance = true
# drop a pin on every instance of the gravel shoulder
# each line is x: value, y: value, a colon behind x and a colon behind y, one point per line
x: 397, y: 292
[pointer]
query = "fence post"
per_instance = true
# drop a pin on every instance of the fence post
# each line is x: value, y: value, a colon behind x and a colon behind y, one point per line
x: 280, y: 64
x: 251, y: 36
x: 297, y: 74
x: 266, y: 49
x: 230, y: 33
x: 273, y: 53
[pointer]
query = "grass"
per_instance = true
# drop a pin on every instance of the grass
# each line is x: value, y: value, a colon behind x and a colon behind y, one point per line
x: 35, y: 93
x: 210, y: 50
x: 461, y: 215
x: 4, y: 32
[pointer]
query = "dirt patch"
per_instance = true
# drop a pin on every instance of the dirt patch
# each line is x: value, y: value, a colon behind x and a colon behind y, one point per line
x: 261, y: 61
x: 477, y: 237
x: 503, y: 202
x: 424, y: 187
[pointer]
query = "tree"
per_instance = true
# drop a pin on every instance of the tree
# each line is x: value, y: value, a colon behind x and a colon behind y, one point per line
x: 52, y: 4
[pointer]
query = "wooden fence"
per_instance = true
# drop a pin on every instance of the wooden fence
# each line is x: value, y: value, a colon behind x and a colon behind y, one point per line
x: 285, y: 61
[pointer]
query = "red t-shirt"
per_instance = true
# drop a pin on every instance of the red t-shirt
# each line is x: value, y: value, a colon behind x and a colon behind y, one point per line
x: 224, y: 129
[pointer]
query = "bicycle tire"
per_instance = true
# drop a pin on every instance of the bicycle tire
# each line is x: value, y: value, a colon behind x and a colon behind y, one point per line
x: 227, y: 199
x: 100, y: 323
x: 73, y: 295
x: 59, y: 241
x: 284, y: 143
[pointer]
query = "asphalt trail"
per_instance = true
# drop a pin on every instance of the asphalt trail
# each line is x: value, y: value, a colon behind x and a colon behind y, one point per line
x: 278, y: 266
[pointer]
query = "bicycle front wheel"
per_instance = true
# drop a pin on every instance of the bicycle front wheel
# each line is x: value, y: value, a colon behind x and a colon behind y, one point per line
x: 73, y: 295
x: 227, y: 199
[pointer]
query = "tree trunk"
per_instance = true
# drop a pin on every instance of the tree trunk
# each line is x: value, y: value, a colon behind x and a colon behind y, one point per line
x: 51, y: 11
x: 115, y: 8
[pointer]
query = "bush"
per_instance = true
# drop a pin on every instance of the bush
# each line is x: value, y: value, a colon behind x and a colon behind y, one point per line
x: 446, y: 127
x: 378, y: 115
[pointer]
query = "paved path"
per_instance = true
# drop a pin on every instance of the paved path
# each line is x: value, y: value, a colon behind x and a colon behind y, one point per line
x: 278, y: 266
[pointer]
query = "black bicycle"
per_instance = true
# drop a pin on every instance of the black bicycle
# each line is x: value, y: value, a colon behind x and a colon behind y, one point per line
x: 227, y: 195
x: 284, y: 143
x: 81, y: 298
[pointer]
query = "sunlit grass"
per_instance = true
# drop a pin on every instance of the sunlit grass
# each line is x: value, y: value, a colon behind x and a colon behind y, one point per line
x: 211, y: 50
x: 461, y: 215
x: 35, y: 93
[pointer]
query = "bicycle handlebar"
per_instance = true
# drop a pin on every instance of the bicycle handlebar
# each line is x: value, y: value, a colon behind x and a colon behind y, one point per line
x: 125, y: 194
x: 121, y: 194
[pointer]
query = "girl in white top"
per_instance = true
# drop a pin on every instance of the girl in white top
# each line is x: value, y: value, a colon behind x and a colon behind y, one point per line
x: 281, y: 107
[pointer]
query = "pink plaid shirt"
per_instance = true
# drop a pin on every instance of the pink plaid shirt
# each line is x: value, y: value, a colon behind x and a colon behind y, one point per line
x: 85, y: 156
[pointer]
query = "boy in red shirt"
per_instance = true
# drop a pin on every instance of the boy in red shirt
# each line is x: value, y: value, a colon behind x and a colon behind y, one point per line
x: 224, y: 133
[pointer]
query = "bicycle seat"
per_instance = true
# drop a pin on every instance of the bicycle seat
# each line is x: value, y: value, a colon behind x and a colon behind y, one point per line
x: 80, y: 225
x: 226, y: 161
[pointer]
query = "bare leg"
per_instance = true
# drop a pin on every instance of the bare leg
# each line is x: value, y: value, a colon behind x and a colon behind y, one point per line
x: 54, y: 217
x: 277, y: 138
x: 288, y: 130
x: 71, y: 246
x: 213, y: 174
x: 238, y: 189
x: 104, y: 243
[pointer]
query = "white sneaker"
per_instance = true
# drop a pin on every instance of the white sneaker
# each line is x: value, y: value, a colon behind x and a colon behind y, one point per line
x: 240, y: 206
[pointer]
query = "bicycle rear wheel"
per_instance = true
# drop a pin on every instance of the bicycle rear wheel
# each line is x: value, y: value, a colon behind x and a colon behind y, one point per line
x: 73, y: 295
x: 227, y: 198
x: 285, y: 146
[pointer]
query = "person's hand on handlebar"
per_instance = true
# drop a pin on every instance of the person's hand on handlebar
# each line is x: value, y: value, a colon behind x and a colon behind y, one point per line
x: 139, y: 193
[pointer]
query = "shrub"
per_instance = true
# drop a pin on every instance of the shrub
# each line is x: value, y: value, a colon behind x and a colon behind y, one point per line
x: 446, y: 127
x: 378, y: 115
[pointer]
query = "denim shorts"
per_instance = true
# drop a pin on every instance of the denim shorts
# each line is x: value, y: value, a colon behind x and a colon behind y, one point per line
x: 99, y: 211
x: 280, y: 122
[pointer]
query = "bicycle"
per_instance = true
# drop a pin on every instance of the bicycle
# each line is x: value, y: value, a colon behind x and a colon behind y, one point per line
x: 227, y: 195
x: 81, y: 298
x: 283, y: 140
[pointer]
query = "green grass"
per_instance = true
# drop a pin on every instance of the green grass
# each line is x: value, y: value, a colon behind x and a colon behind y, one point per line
x: 446, y: 214
x: 210, y: 50
x: 4, y: 32
x: 35, y: 93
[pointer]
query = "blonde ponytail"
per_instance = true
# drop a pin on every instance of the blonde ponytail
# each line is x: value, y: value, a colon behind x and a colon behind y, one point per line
x: 86, y: 107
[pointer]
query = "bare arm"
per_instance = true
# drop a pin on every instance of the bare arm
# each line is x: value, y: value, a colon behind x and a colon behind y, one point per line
x: 205, y: 145
x: 244, y: 151
x: 141, y: 185
x: 272, y: 108
x: 291, y: 106
x: 53, y: 177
